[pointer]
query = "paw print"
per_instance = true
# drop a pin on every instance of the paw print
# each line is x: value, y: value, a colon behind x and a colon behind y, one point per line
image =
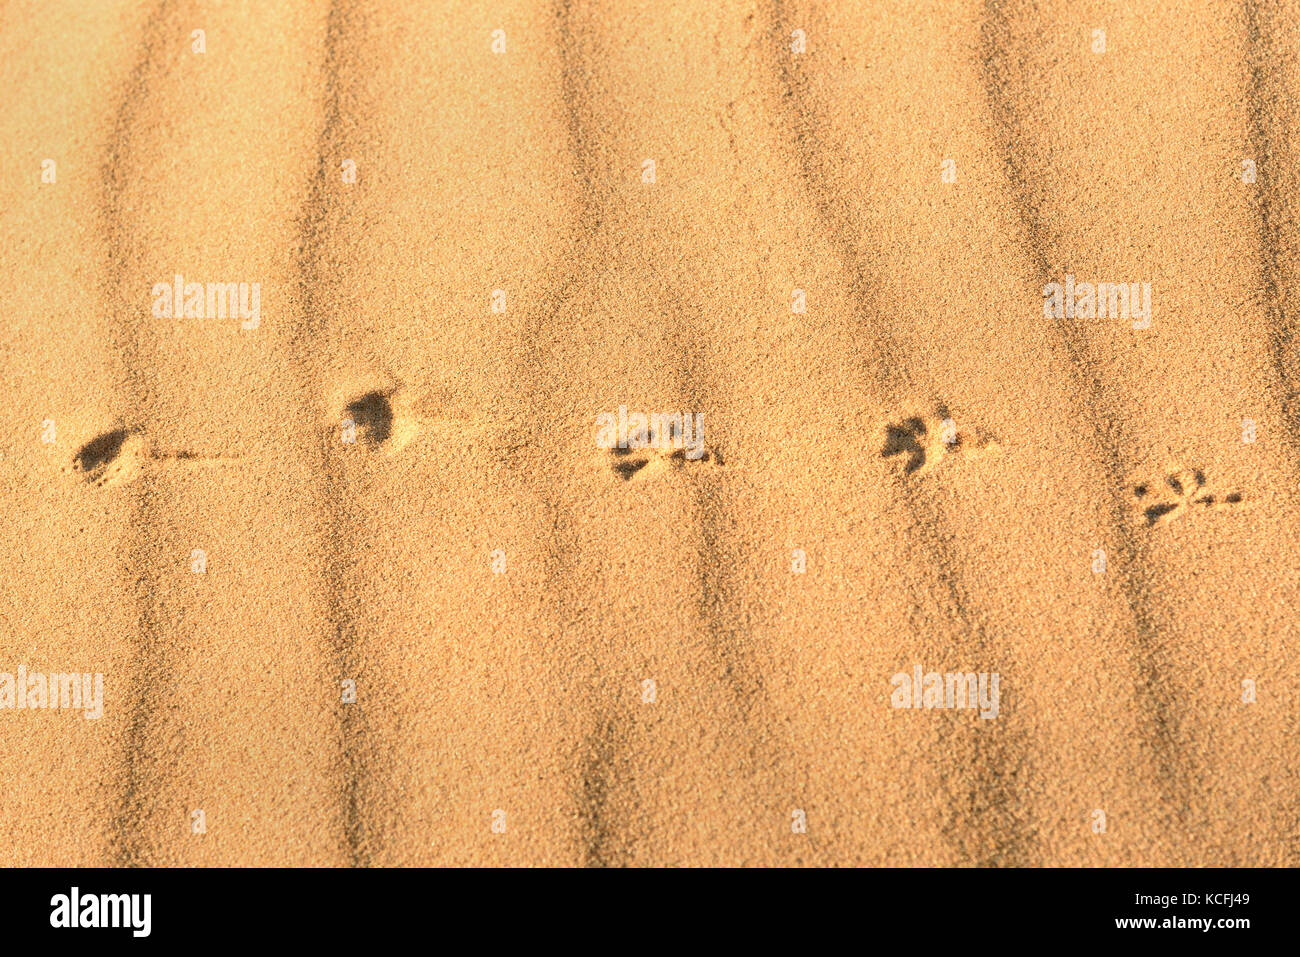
x: 109, y: 459
x: 380, y: 419
x: 925, y: 441
x: 1180, y: 492
x: 123, y: 455
x: 646, y: 450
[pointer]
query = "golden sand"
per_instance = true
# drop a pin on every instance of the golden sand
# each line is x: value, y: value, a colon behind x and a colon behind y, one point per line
x: 364, y: 589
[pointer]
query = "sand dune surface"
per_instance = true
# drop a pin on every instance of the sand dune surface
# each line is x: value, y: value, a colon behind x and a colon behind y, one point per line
x: 470, y: 433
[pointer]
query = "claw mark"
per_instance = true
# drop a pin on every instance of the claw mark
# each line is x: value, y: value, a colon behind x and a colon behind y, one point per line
x: 1181, y: 491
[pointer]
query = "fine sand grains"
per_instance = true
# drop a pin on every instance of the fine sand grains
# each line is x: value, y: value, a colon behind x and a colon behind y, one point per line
x: 365, y: 589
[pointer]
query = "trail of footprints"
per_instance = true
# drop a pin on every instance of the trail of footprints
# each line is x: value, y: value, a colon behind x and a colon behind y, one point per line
x: 379, y: 420
x: 123, y: 454
x: 921, y: 443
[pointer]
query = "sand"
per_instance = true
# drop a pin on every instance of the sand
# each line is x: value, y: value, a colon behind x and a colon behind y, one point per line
x: 364, y: 588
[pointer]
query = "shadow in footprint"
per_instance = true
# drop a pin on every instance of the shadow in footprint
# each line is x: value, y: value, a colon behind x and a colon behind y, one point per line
x: 125, y: 454
x: 1186, y: 488
x: 1156, y: 512
x: 925, y: 441
x: 630, y: 459
x: 109, y: 459
x: 99, y: 452
x: 629, y: 467
x: 373, y: 415
x: 906, y: 439
x: 679, y: 456
x: 645, y: 448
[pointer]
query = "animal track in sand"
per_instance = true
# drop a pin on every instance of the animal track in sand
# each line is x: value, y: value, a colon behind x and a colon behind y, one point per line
x: 122, y: 455
x: 378, y: 419
x: 108, y: 459
x: 648, y: 453
x: 387, y: 420
x: 925, y: 440
x: 373, y: 415
x: 1180, y: 492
